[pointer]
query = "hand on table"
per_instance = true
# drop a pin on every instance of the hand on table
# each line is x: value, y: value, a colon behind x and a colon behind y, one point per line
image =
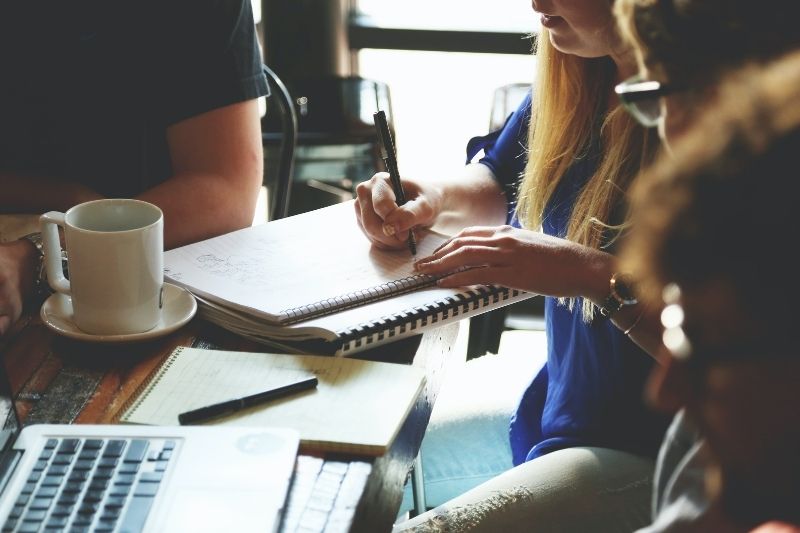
x: 17, y: 260
x: 516, y: 258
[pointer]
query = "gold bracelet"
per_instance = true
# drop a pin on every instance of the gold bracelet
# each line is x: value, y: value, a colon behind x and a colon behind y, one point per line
x: 635, y: 323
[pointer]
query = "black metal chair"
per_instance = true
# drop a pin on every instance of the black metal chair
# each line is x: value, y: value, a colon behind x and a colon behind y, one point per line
x: 288, y: 143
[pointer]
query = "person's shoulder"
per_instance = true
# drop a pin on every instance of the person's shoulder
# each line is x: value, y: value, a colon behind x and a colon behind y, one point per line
x: 524, y: 108
x: 215, y: 10
x: 520, y: 117
x: 527, y: 102
x: 198, y: 28
x: 196, y: 15
x: 777, y: 527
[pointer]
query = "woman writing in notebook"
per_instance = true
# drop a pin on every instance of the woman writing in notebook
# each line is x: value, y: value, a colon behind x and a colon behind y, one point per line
x: 582, y: 438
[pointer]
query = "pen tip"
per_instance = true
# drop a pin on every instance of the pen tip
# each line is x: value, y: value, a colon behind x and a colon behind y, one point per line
x: 412, y: 242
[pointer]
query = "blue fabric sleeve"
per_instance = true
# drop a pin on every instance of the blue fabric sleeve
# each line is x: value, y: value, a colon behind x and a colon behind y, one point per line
x: 505, y: 151
x: 590, y: 391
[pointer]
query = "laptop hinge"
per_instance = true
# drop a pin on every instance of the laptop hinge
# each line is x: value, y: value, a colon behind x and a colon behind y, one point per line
x: 8, y: 463
x: 6, y: 437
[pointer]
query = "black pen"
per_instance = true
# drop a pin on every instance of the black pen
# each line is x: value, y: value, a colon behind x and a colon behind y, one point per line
x: 231, y: 406
x: 389, y: 157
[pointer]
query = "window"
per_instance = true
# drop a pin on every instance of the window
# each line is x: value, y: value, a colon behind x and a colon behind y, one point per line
x: 477, y: 15
x: 441, y: 99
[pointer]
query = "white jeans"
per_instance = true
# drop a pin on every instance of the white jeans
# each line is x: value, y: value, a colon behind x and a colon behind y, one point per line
x: 572, y: 490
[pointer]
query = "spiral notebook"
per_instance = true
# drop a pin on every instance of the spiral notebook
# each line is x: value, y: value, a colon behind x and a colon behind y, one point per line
x: 358, y: 406
x: 313, y: 283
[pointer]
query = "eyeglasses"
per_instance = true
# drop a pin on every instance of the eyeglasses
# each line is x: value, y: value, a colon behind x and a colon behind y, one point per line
x: 699, y: 355
x: 641, y: 98
x: 672, y: 318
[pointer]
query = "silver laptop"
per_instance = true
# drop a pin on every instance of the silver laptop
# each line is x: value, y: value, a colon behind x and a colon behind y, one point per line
x: 128, y: 478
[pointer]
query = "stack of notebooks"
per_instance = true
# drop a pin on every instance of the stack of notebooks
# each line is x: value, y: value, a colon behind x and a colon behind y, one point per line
x: 313, y: 283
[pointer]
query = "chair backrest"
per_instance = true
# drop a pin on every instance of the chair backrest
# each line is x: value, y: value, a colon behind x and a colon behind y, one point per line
x: 288, y: 145
x: 336, y: 144
x: 506, y: 100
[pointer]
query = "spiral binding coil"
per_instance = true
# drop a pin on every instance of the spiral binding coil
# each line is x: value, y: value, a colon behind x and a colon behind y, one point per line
x: 418, y: 317
x: 139, y: 395
x: 356, y: 298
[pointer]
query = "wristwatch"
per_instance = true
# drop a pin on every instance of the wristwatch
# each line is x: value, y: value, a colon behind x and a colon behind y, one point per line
x: 41, y: 287
x: 621, y: 294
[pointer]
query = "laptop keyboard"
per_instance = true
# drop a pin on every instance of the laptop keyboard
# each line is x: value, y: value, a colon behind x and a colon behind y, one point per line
x: 93, y: 484
x: 324, y: 495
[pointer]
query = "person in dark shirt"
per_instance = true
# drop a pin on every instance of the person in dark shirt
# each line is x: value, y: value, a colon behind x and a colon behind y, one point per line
x: 154, y: 99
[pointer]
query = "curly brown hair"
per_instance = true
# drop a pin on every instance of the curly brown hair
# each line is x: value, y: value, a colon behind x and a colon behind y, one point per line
x: 694, y: 42
x: 724, y: 206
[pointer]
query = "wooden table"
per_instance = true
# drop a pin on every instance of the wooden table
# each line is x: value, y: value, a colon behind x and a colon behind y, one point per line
x: 58, y: 380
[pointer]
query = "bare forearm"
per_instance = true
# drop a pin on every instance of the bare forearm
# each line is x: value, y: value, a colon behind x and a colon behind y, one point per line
x: 195, y: 206
x: 200, y: 206
x: 33, y: 194
x: 646, y: 329
x: 218, y: 165
x: 474, y: 199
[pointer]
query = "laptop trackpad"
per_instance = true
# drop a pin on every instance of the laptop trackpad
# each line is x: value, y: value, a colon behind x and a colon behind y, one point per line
x: 210, y: 510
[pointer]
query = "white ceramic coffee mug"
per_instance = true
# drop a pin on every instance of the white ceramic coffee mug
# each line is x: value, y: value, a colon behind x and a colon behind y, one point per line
x: 115, y: 250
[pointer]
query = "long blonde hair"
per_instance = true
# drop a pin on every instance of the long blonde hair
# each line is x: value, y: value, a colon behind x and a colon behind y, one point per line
x: 569, y: 102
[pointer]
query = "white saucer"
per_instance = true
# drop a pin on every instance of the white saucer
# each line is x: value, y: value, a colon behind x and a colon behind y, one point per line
x: 179, y: 307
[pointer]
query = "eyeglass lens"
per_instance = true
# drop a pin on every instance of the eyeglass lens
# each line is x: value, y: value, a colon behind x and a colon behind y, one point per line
x: 647, y: 111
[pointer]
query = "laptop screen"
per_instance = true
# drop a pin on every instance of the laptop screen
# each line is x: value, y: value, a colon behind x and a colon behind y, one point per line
x: 8, y: 412
x: 108, y: 477
x: 10, y: 429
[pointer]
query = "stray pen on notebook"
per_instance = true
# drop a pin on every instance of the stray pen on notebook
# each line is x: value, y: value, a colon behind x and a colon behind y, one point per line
x: 389, y: 157
x: 208, y: 412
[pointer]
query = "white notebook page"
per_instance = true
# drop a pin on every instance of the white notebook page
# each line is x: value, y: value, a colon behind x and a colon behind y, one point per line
x: 291, y: 262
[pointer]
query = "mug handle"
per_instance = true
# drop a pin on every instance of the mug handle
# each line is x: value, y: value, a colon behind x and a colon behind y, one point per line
x: 49, y: 223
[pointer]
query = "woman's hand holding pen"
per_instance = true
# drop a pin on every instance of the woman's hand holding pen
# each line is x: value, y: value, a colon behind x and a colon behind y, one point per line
x: 384, y: 223
x: 520, y: 259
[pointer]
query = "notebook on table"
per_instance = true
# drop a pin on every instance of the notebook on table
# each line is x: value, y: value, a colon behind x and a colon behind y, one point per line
x: 313, y: 283
x: 120, y: 478
x: 357, y: 407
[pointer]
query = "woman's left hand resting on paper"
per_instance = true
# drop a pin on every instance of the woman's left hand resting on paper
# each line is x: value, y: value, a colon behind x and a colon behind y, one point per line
x: 521, y: 259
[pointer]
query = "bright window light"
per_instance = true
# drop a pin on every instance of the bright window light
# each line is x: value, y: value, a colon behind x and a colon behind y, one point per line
x: 476, y: 15
x: 440, y: 100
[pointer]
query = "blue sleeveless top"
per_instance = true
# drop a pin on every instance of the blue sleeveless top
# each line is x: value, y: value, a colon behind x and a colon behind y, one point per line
x: 590, y: 391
